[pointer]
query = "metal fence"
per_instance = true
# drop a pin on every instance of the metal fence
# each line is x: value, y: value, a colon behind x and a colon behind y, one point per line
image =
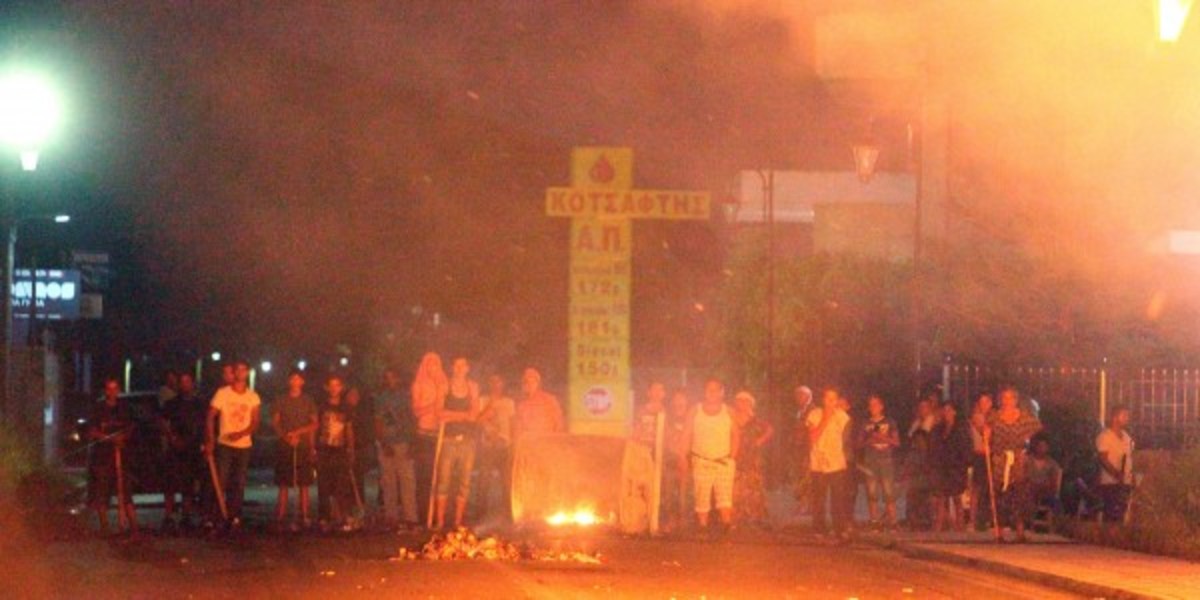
x: 1165, y: 403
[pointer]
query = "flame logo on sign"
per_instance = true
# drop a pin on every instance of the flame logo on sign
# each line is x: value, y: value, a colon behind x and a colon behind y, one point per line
x: 602, y: 171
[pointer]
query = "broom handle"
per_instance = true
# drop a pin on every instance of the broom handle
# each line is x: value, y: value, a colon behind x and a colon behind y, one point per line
x: 220, y: 491
x: 122, y: 518
x: 987, y: 453
x: 437, y: 457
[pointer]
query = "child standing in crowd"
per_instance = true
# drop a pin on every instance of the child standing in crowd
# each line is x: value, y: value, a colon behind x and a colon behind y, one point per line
x: 239, y: 409
x: 108, y: 431
x: 335, y: 458
x: 294, y: 419
x: 458, y: 411
x: 877, y: 442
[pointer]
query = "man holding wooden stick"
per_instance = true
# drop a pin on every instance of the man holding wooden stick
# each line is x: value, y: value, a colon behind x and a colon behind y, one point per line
x: 108, y: 430
x: 1114, y: 446
x: 239, y: 409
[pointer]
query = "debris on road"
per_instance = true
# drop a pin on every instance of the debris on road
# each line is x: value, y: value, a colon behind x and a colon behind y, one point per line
x: 462, y: 544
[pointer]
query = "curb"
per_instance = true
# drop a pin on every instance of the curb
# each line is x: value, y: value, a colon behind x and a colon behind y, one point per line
x: 1093, y: 590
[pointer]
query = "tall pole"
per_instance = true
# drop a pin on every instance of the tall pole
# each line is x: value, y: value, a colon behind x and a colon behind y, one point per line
x: 11, y: 411
x: 916, y: 279
x: 768, y: 194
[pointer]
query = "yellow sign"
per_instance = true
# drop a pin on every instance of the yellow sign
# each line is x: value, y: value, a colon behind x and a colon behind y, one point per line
x: 634, y: 204
x: 602, y: 204
x: 602, y: 168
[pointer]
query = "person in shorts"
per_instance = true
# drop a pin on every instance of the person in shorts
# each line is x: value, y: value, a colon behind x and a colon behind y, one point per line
x: 878, y: 438
x: 294, y: 419
x: 712, y: 440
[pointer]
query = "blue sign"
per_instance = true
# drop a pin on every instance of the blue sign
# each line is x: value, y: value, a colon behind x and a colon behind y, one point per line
x: 48, y: 294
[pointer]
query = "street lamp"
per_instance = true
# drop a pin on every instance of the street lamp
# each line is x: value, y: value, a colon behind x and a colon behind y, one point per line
x: 1171, y: 16
x: 30, y: 114
x: 866, y: 158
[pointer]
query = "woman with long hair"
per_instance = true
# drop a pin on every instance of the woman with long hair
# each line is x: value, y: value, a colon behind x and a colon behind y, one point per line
x: 429, y: 388
x: 457, y: 411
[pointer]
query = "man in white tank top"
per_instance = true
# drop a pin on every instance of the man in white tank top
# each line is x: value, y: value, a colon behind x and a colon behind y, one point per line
x: 712, y: 442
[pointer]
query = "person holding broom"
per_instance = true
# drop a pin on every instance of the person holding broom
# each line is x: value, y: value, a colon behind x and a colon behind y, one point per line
x: 108, y: 431
x: 429, y: 388
x: 457, y: 412
x: 1005, y: 439
x: 239, y: 410
x: 294, y: 419
x: 335, y: 458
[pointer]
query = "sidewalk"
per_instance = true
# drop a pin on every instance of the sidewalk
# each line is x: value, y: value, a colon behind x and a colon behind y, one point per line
x: 1053, y: 560
x: 1056, y: 561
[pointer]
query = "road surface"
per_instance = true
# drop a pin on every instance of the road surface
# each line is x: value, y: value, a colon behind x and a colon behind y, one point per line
x: 313, y: 566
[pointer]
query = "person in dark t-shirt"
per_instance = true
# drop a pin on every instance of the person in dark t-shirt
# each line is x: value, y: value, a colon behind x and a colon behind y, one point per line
x: 108, y: 431
x: 294, y: 419
x: 335, y: 457
x: 183, y: 432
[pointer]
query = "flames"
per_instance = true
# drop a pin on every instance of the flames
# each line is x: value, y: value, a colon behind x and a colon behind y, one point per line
x: 581, y: 518
x: 462, y: 544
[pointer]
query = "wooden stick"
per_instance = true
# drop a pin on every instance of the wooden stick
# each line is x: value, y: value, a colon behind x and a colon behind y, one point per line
x: 220, y: 491
x: 354, y: 484
x: 122, y: 517
x: 437, y: 457
x: 296, y: 474
x: 656, y: 485
x: 987, y: 454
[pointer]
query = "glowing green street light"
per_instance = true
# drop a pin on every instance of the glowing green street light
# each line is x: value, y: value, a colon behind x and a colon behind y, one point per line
x: 30, y: 114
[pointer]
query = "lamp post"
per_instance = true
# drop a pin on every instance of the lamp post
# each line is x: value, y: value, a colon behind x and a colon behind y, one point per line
x: 30, y: 112
x: 10, y: 254
x: 768, y: 192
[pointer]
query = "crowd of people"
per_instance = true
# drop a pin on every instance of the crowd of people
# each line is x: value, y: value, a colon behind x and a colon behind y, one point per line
x: 432, y: 439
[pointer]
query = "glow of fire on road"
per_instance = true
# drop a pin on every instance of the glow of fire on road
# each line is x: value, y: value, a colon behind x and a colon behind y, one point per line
x: 580, y: 517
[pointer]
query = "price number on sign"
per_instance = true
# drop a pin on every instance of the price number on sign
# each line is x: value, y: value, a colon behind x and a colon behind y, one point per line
x: 597, y: 328
x: 597, y: 368
x: 604, y: 288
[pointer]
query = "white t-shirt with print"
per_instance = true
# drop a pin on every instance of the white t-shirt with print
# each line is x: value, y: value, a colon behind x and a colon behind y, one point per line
x: 828, y: 454
x: 236, y: 411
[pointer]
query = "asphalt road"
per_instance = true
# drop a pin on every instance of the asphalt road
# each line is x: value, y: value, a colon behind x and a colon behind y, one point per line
x: 310, y: 566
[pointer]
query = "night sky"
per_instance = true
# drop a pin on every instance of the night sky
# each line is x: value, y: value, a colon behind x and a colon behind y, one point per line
x: 283, y: 177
